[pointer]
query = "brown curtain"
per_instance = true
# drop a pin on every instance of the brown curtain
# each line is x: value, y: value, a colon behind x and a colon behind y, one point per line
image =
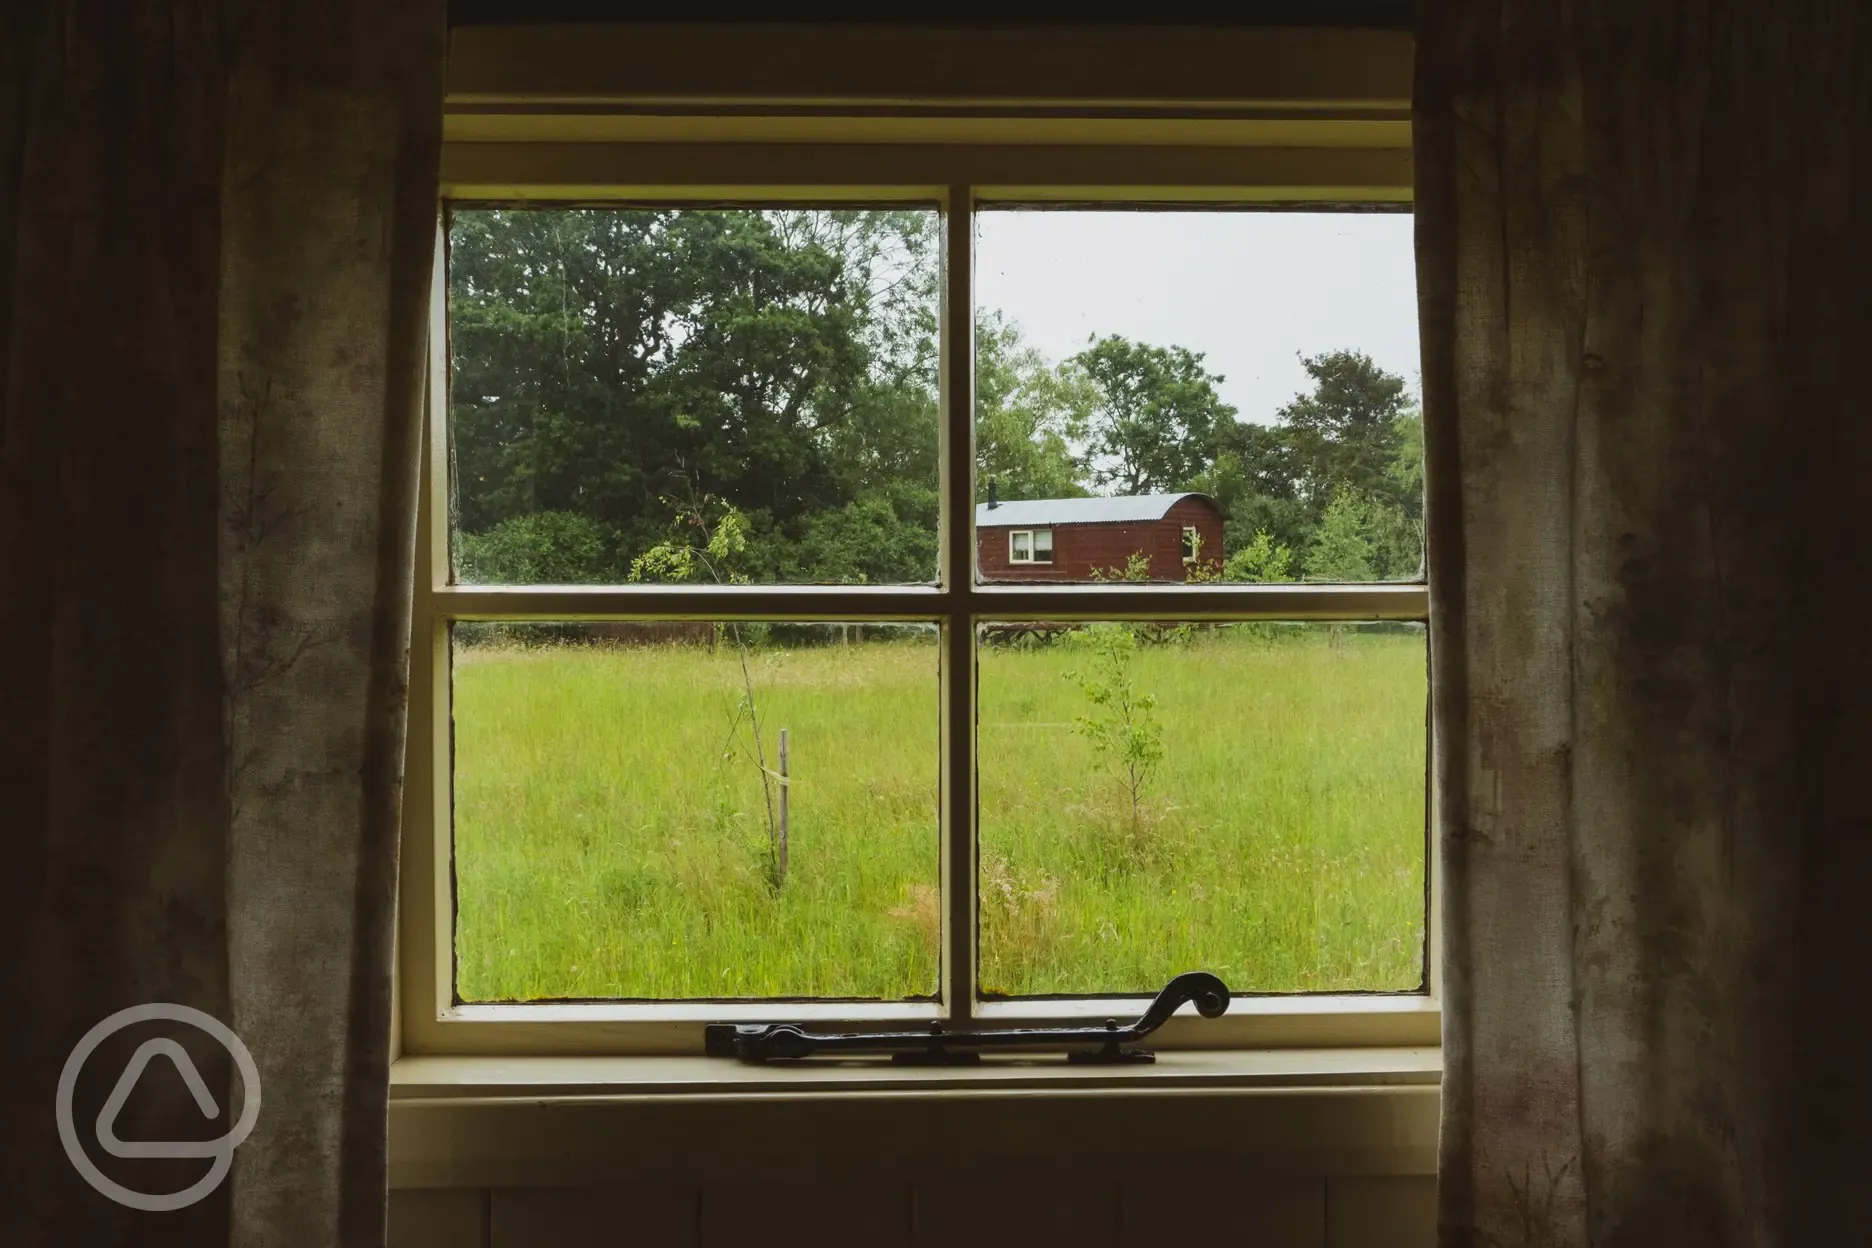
x: 216, y: 230
x: 1645, y: 257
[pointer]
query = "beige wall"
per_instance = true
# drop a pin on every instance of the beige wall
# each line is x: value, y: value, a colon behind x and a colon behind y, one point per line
x: 1386, y: 1211
x: 1309, y: 1166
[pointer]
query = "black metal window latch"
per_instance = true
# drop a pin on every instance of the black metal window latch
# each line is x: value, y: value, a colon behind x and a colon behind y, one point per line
x: 766, y: 1042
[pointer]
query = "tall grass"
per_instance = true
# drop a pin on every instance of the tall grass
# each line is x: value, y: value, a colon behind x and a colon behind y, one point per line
x: 610, y: 835
x: 1283, y: 841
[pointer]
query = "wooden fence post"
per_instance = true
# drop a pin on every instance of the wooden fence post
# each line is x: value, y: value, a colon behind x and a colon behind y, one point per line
x: 786, y: 787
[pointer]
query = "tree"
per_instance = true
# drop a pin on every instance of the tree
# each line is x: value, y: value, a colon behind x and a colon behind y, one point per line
x: 878, y: 537
x: 1364, y: 539
x: 1353, y: 441
x: 708, y: 539
x: 1342, y: 548
x: 542, y: 548
x: 1404, y: 540
x: 1028, y: 416
x: 1253, y: 481
x: 1345, y: 434
x: 783, y: 361
x: 1261, y: 560
x: 1123, y: 727
x: 1155, y: 416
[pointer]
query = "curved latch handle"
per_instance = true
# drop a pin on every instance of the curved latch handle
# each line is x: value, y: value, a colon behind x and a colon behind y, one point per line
x: 765, y: 1042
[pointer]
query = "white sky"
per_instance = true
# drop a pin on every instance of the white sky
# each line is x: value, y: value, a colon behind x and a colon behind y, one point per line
x: 1251, y: 291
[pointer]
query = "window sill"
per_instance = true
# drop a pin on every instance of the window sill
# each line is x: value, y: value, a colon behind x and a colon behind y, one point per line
x: 569, y: 1121
x: 635, y: 1032
x: 493, y: 1079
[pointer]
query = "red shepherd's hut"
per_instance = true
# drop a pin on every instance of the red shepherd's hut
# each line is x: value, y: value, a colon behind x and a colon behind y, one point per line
x: 1068, y: 539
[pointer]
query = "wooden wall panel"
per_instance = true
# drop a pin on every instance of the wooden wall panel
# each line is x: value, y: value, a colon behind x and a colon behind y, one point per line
x: 1220, y: 1211
x: 861, y: 1215
x: 1393, y: 1211
x: 1047, y: 1208
x: 438, y: 1217
x: 593, y: 1217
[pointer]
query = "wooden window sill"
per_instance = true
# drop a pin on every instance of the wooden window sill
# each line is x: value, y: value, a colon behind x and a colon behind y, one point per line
x: 493, y: 1079
x: 585, y: 1121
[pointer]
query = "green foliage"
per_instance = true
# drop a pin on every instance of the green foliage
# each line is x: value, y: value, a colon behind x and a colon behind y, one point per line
x: 1342, y: 545
x: 707, y: 538
x: 1028, y: 416
x: 1263, y: 560
x: 881, y: 536
x: 1122, y: 727
x: 1345, y: 434
x: 781, y: 361
x: 784, y: 363
x: 1354, y: 433
x: 539, y: 548
x: 1364, y: 539
x: 1155, y: 417
x: 1137, y: 568
x: 1254, y: 481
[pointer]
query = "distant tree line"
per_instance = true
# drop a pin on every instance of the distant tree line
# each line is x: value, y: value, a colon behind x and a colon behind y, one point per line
x: 618, y: 374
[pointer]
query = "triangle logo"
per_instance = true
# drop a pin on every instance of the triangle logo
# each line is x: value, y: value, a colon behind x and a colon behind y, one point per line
x: 114, y: 1103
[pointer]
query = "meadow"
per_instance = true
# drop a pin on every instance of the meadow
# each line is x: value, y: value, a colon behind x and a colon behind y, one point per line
x: 611, y: 834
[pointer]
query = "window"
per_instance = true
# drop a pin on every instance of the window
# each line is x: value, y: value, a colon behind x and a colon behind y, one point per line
x: 727, y: 707
x: 1030, y: 546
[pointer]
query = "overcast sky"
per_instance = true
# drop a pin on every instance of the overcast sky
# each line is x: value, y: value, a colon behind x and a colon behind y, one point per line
x: 1251, y: 291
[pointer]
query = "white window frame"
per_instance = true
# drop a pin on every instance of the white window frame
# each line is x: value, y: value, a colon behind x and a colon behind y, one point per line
x: 1192, y: 538
x: 1033, y: 551
x: 1203, y: 159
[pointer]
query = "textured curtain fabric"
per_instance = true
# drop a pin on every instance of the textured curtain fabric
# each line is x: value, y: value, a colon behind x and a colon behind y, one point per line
x: 1645, y: 257
x: 216, y: 234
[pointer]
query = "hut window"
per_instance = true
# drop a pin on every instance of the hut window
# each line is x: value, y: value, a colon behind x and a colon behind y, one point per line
x: 1030, y: 546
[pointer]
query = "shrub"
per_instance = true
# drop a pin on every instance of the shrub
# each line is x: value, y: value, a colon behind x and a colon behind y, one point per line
x: 1123, y: 727
x: 542, y: 548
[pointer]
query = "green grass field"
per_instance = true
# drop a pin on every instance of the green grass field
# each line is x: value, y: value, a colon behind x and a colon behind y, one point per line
x: 611, y: 838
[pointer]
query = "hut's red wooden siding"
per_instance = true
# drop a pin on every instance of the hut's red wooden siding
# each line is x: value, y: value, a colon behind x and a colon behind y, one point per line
x: 1078, y: 549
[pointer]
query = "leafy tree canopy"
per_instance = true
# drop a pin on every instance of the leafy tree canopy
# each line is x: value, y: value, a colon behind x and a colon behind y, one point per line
x: 1155, y: 416
x: 783, y: 364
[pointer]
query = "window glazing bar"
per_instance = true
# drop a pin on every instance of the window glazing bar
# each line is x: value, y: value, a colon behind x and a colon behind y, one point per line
x: 957, y: 547
x: 1397, y: 601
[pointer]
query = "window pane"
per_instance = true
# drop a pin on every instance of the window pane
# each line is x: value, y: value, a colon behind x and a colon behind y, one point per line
x: 1251, y: 373
x: 694, y: 394
x: 617, y: 807
x: 1043, y: 545
x: 1246, y: 799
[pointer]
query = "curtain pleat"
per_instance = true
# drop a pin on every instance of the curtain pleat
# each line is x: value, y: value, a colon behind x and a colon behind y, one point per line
x: 217, y: 225
x: 1644, y: 286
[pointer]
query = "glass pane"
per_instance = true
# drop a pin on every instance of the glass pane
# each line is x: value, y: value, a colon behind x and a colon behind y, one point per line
x: 1253, y: 374
x: 1246, y: 799
x: 620, y: 817
x: 694, y: 394
x: 1043, y: 545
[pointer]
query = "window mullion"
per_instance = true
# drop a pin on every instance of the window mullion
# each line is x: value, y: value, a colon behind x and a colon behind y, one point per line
x: 958, y: 578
